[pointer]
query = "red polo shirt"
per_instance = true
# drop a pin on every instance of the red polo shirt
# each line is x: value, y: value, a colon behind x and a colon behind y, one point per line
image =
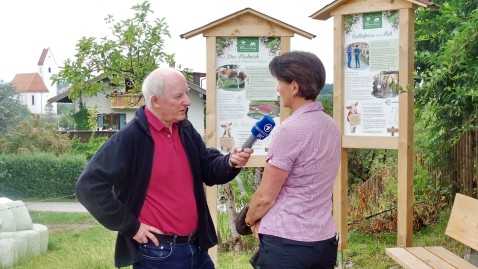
x: 170, y: 204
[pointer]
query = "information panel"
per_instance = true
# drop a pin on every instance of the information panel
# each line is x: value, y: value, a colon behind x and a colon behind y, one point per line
x: 245, y: 89
x: 371, y: 74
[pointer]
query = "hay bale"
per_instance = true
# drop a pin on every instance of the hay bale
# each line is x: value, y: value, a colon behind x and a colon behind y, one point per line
x: 8, y: 220
x: 4, y: 200
x: 21, y: 243
x: 43, y: 230
x: 23, y: 221
x: 7, y: 253
x: 33, y: 242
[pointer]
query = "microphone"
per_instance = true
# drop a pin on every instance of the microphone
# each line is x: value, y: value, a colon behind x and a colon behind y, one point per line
x: 260, y: 130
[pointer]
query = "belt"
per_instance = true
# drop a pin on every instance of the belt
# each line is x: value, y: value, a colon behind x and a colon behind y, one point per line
x: 173, y: 238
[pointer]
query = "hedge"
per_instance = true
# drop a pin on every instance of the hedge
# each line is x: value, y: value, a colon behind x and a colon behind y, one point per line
x: 39, y: 176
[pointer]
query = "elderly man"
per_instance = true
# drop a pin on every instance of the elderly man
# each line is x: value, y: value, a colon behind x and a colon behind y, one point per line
x: 147, y: 181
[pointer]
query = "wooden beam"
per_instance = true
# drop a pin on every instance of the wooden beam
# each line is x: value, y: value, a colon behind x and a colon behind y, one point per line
x: 354, y: 7
x: 259, y: 27
x: 405, y: 125
x: 369, y: 142
x: 284, y: 47
x: 211, y: 192
x: 340, y: 199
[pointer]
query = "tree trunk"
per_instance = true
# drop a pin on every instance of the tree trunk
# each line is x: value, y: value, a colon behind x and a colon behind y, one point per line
x: 231, y: 217
x: 257, y: 176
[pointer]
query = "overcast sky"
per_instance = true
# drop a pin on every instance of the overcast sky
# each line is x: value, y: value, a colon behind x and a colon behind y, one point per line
x: 28, y: 26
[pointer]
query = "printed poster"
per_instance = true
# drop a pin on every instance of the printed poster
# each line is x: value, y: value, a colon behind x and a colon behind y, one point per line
x: 245, y: 89
x: 371, y: 74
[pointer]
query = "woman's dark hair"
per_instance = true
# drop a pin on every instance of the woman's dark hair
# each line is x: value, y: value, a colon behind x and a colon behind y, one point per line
x: 305, y: 68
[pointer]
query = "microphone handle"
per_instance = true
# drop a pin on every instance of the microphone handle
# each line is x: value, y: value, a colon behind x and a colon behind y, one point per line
x: 249, y: 142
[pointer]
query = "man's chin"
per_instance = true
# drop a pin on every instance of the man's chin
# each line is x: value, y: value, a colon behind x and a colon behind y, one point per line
x: 182, y: 117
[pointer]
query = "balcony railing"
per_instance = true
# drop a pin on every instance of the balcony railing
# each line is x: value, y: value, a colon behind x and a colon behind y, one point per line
x: 126, y: 100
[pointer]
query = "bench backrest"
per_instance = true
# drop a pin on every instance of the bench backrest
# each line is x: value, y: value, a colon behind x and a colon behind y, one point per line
x: 463, y: 222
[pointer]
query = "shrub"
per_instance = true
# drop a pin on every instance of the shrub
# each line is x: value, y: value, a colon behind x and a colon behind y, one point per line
x: 39, y: 175
x: 88, y: 149
x: 35, y: 135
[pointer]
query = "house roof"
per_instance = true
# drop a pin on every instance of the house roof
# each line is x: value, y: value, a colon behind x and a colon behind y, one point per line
x: 240, y: 13
x: 29, y: 82
x: 325, y: 12
x: 63, y: 97
x: 43, y: 56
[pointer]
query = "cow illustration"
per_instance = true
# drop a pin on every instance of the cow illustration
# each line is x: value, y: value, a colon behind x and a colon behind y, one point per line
x: 353, y: 117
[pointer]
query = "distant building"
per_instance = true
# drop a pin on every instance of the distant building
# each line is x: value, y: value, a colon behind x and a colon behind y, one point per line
x: 34, y: 89
x: 115, y: 106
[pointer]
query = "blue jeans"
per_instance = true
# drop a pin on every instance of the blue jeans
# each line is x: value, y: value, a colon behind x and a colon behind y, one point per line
x: 173, y: 256
x: 281, y: 253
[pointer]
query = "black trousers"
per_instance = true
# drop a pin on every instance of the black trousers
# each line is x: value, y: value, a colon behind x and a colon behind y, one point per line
x: 276, y: 252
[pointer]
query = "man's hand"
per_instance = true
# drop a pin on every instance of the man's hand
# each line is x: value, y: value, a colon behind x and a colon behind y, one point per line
x: 239, y: 157
x: 146, y: 232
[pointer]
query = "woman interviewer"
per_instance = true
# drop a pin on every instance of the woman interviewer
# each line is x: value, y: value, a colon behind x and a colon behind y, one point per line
x: 291, y: 211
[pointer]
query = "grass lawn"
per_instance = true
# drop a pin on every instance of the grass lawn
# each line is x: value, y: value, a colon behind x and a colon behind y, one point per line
x: 77, y: 241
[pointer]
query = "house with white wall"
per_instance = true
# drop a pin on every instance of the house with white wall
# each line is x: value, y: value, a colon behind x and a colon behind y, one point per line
x: 115, y: 107
x: 34, y: 89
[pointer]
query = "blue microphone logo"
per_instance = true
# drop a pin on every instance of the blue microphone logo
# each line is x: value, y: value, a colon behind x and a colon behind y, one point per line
x: 260, y: 130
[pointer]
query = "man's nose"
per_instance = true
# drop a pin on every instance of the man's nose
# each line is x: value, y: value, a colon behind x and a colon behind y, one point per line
x: 187, y: 101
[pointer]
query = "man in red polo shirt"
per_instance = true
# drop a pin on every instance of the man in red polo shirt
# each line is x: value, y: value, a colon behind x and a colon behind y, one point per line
x: 157, y: 166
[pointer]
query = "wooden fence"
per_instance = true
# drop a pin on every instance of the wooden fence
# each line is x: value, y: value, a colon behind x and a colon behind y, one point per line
x: 84, y: 136
x: 457, y: 167
x: 461, y: 170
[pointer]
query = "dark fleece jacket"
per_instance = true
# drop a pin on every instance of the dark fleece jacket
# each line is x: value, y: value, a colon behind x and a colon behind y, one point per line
x: 113, y: 185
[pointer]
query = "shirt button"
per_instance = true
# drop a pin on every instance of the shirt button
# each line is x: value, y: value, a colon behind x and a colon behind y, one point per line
x: 169, y: 135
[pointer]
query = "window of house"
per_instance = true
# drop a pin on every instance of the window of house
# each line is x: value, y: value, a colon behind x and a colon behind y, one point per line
x: 49, y: 69
x: 112, y: 121
x: 33, y: 100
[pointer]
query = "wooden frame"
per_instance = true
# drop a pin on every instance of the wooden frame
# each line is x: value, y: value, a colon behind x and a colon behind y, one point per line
x: 244, y: 23
x: 404, y: 142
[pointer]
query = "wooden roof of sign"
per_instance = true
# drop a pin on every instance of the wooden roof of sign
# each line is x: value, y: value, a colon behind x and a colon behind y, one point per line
x: 359, y: 6
x: 236, y: 25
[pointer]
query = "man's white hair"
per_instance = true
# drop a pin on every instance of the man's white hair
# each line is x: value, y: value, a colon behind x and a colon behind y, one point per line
x: 153, y: 85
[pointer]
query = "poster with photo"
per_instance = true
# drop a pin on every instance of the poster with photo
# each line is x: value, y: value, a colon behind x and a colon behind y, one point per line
x: 371, y: 74
x: 245, y: 89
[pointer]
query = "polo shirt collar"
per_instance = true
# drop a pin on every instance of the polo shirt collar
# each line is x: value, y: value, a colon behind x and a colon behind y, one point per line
x: 153, y: 121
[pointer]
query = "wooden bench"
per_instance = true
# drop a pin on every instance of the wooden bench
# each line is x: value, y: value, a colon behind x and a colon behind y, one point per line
x: 462, y: 226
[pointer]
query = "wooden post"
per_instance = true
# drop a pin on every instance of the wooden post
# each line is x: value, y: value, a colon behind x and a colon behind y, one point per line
x: 211, y: 192
x: 340, y: 197
x: 405, y: 125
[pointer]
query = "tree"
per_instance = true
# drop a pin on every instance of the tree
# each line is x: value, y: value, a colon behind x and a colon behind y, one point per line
x: 12, y: 112
x: 446, y: 97
x: 135, y: 48
x: 66, y: 112
x: 81, y: 118
x: 446, y: 67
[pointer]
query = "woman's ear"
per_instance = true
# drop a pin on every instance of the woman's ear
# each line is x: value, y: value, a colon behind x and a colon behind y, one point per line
x: 295, y: 88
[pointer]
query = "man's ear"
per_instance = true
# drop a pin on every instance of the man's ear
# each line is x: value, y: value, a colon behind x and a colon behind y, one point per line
x: 155, y: 101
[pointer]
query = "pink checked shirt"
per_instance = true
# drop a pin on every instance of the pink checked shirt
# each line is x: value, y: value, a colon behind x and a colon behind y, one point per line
x: 307, y: 145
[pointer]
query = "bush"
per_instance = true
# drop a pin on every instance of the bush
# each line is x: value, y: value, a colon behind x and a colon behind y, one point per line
x: 39, y: 175
x: 88, y: 149
x: 35, y: 135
